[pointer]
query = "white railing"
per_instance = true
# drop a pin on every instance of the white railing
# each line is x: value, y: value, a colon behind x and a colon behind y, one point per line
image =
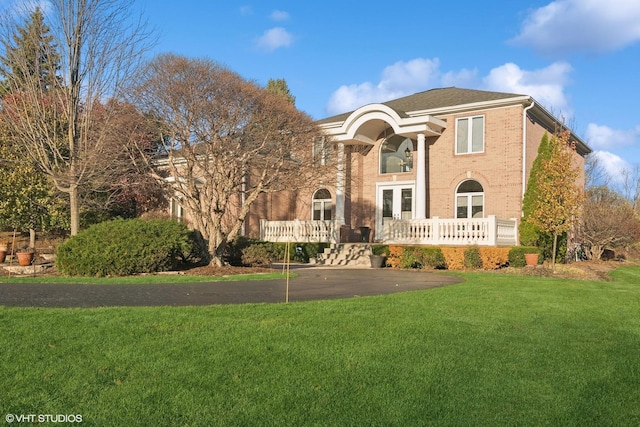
x: 488, y: 231
x: 299, y: 231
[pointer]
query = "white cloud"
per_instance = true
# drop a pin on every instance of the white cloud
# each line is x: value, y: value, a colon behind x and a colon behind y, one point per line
x: 603, y: 137
x: 565, y: 26
x: 274, y: 38
x: 546, y: 85
x: 397, y: 80
x: 614, y: 166
x: 279, y: 15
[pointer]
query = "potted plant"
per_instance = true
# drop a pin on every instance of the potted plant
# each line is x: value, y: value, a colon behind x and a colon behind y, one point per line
x: 378, y: 256
x: 531, y: 257
x: 25, y: 256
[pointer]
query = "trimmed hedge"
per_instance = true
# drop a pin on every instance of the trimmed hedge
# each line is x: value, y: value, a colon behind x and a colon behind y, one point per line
x: 124, y: 247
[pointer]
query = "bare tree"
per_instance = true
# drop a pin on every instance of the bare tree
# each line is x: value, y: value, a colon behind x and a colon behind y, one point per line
x: 608, y: 222
x: 98, y: 45
x: 227, y: 142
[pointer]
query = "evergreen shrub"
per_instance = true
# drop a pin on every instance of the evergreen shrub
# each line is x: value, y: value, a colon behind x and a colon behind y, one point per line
x: 422, y: 257
x: 472, y: 258
x: 124, y: 247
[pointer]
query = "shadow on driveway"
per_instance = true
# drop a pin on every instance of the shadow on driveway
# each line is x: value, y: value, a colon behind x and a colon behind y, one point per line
x: 312, y: 283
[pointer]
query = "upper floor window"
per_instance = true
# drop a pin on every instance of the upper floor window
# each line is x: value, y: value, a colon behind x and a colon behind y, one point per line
x: 470, y: 135
x: 396, y: 155
x: 322, y: 151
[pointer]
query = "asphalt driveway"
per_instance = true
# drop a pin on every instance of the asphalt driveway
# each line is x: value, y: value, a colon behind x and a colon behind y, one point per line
x: 312, y: 283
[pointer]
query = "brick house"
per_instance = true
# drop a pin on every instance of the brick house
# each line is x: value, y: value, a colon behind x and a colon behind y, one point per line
x: 444, y: 166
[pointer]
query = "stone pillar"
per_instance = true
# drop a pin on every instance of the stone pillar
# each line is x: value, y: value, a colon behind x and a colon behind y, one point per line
x: 421, y: 179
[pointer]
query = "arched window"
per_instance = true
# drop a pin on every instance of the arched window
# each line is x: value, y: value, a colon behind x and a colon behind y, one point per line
x: 470, y: 200
x: 322, y: 206
x: 396, y: 155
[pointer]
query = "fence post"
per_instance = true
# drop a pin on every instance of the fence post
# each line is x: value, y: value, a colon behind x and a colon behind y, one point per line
x: 493, y: 230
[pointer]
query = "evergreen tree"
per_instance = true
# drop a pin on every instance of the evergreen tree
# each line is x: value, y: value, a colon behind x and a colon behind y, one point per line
x: 32, y: 54
x: 28, y: 200
x: 279, y: 86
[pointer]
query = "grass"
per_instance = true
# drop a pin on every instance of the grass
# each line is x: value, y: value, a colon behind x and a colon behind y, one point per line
x: 497, y: 350
x: 146, y: 279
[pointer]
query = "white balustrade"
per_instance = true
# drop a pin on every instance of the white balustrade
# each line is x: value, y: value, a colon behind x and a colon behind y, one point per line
x: 488, y: 231
x: 298, y: 231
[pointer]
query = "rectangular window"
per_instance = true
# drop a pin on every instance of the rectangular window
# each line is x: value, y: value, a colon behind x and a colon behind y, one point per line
x: 322, y: 152
x: 470, y: 135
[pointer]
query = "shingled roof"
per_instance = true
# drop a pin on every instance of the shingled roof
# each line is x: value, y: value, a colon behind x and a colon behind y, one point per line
x: 435, y: 99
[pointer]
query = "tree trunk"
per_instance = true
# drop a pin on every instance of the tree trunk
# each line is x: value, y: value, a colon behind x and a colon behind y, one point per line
x: 74, y: 210
x: 553, y: 254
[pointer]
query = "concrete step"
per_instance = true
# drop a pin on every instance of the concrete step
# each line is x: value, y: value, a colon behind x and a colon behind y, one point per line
x: 345, y: 254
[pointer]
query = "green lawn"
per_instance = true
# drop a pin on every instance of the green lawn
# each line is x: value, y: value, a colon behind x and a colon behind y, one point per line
x: 497, y: 350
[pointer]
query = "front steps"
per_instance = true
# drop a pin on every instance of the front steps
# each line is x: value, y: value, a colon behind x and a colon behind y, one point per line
x: 345, y: 254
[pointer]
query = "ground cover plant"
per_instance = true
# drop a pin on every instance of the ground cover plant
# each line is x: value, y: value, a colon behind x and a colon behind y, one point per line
x: 495, y: 350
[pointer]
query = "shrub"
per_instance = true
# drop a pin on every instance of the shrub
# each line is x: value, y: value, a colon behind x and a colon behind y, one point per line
x: 380, y: 250
x: 494, y: 258
x: 472, y: 258
x: 422, y: 257
x: 260, y: 254
x: 257, y: 252
x: 516, y: 255
x: 454, y: 257
x: 124, y: 247
x: 395, y: 252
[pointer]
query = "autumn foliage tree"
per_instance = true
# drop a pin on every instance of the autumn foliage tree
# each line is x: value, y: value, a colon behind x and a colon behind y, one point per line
x: 558, y: 198
x: 98, y: 44
x: 227, y: 141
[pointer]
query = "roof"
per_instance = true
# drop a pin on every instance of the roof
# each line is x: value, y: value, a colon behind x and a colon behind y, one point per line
x: 435, y: 99
x: 440, y: 100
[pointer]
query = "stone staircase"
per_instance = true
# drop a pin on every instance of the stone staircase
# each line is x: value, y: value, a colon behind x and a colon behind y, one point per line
x: 344, y: 254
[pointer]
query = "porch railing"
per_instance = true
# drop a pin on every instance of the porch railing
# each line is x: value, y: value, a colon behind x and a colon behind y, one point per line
x: 489, y: 231
x: 299, y: 231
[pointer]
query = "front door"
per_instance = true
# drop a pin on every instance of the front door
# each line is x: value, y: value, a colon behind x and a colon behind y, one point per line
x: 395, y: 201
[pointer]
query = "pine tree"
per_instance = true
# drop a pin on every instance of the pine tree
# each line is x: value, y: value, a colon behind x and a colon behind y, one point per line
x: 32, y: 54
x: 29, y: 200
x: 529, y: 233
x: 279, y: 86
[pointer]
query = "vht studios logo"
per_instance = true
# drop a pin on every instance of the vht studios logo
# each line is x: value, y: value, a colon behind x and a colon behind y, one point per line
x: 43, y: 418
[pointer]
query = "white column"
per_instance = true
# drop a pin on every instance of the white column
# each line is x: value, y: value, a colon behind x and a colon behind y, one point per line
x: 340, y: 185
x: 421, y: 180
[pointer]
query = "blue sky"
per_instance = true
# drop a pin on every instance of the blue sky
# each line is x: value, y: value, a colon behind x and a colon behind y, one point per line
x: 579, y: 58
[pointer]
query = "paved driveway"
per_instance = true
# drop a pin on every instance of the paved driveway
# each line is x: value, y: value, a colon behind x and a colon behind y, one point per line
x: 312, y: 283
